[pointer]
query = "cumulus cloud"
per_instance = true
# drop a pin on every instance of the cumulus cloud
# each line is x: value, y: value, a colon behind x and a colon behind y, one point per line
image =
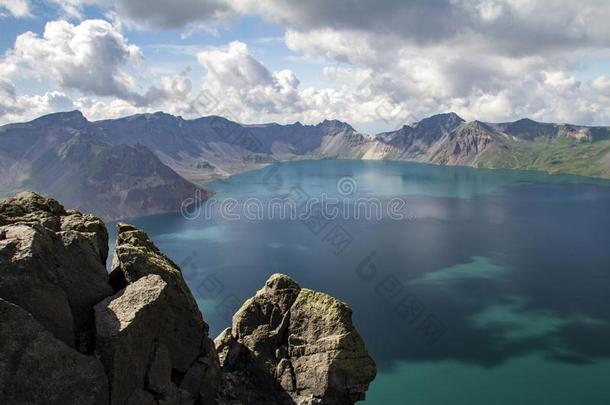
x: 240, y: 87
x: 236, y: 81
x: 486, y: 59
x: 93, y: 58
x: 91, y: 66
x: 90, y: 57
x: 387, y: 61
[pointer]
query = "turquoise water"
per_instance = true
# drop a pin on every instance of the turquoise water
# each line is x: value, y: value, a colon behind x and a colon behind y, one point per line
x: 491, y: 288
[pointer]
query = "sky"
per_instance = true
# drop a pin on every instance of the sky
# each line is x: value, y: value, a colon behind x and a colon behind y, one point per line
x: 375, y: 64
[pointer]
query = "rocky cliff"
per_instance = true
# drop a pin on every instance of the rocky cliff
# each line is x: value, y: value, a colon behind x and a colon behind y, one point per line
x: 73, y: 334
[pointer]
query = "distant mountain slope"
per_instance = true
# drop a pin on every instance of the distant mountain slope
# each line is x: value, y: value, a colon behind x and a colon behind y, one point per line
x: 62, y: 156
x: 212, y: 146
x: 525, y: 144
x: 149, y: 163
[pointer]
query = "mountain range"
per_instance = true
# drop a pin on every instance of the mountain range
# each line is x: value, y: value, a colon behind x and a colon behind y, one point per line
x: 149, y: 163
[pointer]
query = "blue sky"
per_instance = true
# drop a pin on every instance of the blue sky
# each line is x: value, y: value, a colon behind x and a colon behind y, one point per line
x: 377, y: 65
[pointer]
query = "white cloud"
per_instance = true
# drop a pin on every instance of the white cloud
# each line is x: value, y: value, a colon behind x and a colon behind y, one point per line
x: 561, y: 81
x: 387, y: 61
x: 74, y: 8
x: 17, y: 8
x: 237, y: 83
x: 349, y: 47
x: 601, y: 84
x: 91, y: 57
x: 240, y: 87
x: 96, y: 109
x: 21, y: 108
x: 91, y: 63
x: 475, y: 72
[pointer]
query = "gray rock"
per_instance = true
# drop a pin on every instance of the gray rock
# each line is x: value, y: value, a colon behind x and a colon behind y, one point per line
x: 286, y: 345
x: 37, y: 368
x: 327, y: 355
x: 293, y: 345
x: 52, y: 263
x: 134, y: 324
x: 136, y: 256
x: 150, y: 334
x: 160, y: 370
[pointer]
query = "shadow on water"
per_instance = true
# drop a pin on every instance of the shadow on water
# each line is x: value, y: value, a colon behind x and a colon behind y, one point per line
x: 553, y: 260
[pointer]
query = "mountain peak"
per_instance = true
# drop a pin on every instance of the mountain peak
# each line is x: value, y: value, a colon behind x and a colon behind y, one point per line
x: 159, y: 115
x: 67, y: 117
x: 529, y: 129
x: 526, y: 121
x: 434, y: 127
x: 335, y: 126
x: 449, y: 117
x: 446, y: 121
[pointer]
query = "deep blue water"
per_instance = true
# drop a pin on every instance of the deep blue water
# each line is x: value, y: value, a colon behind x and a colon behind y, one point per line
x: 493, y: 289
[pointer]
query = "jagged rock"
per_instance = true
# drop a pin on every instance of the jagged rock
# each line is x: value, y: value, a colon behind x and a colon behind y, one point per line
x: 52, y: 264
x: 150, y: 334
x: 293, y: 345
x: 37, y: 368
x: 135, y: 256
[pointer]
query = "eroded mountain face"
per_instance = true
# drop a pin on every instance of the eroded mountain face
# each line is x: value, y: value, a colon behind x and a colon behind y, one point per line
x: 72, y: 333
x: 63, y: 156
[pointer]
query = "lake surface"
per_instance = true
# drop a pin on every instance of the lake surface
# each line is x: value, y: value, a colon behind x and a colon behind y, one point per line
x: 488, y: 287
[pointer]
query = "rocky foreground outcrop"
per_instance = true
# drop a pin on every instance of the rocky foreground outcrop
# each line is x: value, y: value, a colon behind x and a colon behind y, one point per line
x: 73, y: 334
x: 296, y: 345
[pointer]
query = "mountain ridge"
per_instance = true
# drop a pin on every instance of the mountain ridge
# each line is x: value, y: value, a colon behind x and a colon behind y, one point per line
x: 59, y: 153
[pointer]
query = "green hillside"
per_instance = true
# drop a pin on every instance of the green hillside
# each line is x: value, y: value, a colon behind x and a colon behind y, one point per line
x: 553, y: 155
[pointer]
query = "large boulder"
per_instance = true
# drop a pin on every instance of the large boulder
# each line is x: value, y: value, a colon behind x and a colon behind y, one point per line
x: 52, y: 264
x: 151, y: 336
x: 38, y: 368
x: 293, y: 345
